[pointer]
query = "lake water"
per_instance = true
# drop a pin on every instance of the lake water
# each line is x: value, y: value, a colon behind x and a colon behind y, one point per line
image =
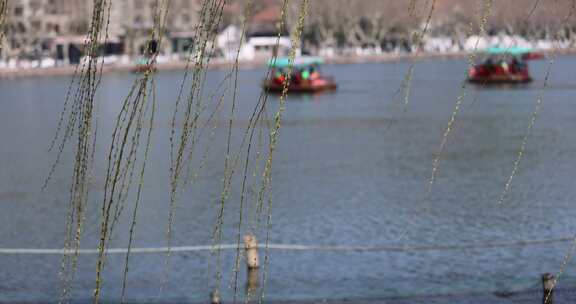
x: 351, y: 169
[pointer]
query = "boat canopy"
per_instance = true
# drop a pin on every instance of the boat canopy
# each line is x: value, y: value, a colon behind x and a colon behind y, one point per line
x: 284, y: 62
x: 515, y: 51
x: 143, y: 61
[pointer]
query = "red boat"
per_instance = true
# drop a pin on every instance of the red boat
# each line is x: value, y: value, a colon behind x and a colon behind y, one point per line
x: 303, y: 86
x: 504, y: 66
x: 143, y: 66
x: 489, y: 73
x: 305, y: 76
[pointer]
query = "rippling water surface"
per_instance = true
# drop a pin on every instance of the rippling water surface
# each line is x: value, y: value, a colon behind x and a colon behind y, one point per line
x: 351, y: 169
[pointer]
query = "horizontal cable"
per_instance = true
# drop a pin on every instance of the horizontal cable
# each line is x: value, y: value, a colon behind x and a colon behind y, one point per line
x: 290, y: 247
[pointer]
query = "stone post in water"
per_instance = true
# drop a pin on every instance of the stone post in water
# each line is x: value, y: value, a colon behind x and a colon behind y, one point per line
x: 252, y: 263
x: 215, y: 297
x: 548, y: 288
x: 251, y: 246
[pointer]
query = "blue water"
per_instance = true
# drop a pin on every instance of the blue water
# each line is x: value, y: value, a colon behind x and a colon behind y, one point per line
x: 351, y: 169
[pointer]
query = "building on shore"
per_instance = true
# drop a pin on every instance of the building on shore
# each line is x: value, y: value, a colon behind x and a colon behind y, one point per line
x: 33, y: 25
x: 54, y: 31
x: 267, y: 35
x: 264, y: 37
x: 43, y: 33
x: 182, y: 22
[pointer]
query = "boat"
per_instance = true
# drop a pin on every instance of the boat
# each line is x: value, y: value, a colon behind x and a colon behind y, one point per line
x: 504, y: 66
x: 305, y: 76
x: 143, y: 65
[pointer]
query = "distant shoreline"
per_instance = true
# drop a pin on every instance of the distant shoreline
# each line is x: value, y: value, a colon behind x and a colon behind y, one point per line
x: 222, y: 64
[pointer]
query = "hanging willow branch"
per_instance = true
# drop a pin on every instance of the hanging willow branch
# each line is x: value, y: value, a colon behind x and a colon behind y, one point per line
x: 132, y: 133
x: 188, y: 111
x: 79, y: 110
x: 3, y: 18
x: 484, y: 14
x: 418, y: 37
x: 137, y: 110
x: 536, y: 112
x: 267, y: 184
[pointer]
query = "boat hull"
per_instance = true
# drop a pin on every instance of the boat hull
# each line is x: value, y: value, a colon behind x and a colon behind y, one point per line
x: 274, y: 87
x: 143, y: 68
x: 482, y: 74
x: 504, y: 79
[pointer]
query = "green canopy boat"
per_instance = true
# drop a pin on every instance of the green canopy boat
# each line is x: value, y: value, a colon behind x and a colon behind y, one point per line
x: 515, y: 51
x: 504, y: 65
x: 305, y: 75
x: 298, y: 62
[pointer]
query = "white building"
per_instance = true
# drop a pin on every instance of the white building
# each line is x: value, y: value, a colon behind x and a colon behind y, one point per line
x: 265, y: 47
x: 261, y: 41
x: 228, y: 40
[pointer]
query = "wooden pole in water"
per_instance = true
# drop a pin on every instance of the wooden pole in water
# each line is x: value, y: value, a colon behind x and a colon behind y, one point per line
x: 215, y: 297
x: 251, y: 246
x: 548, y: 288
x: 252, y: 283
x: 252, y: 263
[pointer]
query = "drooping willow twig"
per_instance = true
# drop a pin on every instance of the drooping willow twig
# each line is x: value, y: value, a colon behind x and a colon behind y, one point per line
x: 535, y: 113
x: 199, y: 57
x: 3, y: 19
x: 81, y: 122
x: 231, y: 161
x: 189, y: 108
x: 460, y: 99
x: 539, y: 103
x: 406, y: 85
x: 247, y: 140
x: 126, y: 137
x: 139, y: 193
x: 123, y: 151
x: 267, y: 183
x: 485, y: 13
x: 229, y: 166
